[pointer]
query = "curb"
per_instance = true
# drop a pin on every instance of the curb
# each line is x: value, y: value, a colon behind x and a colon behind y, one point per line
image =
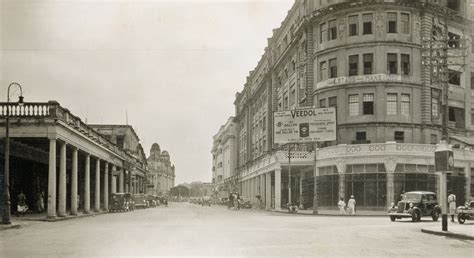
x: 64, y: 218
x: 448, y: 234
x: 328, y: 215
x: 11, y: 226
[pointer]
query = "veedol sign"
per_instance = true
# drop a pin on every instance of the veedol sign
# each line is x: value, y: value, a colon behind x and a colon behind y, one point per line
x: 304, y: 125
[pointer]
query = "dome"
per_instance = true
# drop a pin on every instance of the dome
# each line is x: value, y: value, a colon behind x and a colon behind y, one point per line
x: 155, y: 147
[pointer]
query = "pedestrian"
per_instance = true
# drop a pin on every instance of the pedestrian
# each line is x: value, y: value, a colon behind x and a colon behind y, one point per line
x: 342, y: 205
x: 40, y: 201
x: 21, y: 207
x: 231, y: 201
x: 452, y: 204
x: 351, y: 204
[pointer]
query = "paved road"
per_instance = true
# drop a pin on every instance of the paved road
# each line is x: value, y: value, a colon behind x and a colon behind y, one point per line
x: 188, y: 229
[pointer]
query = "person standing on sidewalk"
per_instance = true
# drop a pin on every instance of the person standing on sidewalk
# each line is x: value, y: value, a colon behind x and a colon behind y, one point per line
x: 351, y: 204
x: 342, y: 206
x: 452, y: 204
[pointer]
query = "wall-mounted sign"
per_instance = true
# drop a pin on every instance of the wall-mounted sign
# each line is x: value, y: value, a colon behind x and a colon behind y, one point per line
x: 360, y: 79
x: 304, y: 125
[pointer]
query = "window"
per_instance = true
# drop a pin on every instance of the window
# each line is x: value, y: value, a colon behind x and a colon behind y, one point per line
x: 392, y: 63
x: 285, y: 102
x: 452, y: 116
x: 392, y: 22
x: 332, y: 30
x: 405, y: 59
x: 434, y: 107
x: 453, y: 40
x: 322, y: 71
x: 399, y: 136
x: 434, y: 139
x: 405, y: 105
x: 368, y: 60
x: 367, y: 23
x: 292, y: 97
x: 454, y: 77
x: 333, y: 68
x: 391, y: 103
x: 322, y: 103
x: 453, y: 5
x: 332, y: 101
x: 354, y: 105
x: 323, y: 32
x: 353, y: 64
x: 353, y: 22
x: 405, y: 23
x: 368, y: 104
x: 361, y: 136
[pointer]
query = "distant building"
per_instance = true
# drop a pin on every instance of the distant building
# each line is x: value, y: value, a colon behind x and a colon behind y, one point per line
x: 161, y: 171
x: 224, y: 159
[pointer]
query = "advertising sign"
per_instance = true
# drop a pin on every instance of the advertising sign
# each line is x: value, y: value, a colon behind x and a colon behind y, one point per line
x: 304, y: 125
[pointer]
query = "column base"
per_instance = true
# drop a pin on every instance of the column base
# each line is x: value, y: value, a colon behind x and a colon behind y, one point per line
x: 86, y: 212
x: 51, y: 217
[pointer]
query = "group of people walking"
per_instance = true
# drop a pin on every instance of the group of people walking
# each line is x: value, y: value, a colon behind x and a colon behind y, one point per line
x: 234, y: 201
x: 351, y: 206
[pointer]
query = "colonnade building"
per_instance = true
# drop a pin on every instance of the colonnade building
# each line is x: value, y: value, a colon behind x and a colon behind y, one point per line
x: 161, y: 171
x: 368, y: 60
x: 74, y: 165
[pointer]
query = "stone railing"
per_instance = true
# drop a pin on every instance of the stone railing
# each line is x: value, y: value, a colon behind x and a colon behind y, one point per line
x: 30, y: 109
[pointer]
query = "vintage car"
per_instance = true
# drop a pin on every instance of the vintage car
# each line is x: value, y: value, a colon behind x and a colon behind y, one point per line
x: 466, y: 212
x: 206, y: 200
x: 120, y: 202
x: 151, y: 200
x: 415, y: 205
x: 140, y: 201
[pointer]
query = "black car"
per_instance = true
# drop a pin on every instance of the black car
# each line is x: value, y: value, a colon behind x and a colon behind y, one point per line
x: 415, y: 205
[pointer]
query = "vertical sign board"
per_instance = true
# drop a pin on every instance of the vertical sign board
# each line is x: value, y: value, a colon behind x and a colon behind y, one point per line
x: 304, y: 125
x: 444, y: 163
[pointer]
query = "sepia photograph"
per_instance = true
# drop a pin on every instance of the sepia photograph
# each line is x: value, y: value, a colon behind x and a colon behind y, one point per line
x: 237, y: 128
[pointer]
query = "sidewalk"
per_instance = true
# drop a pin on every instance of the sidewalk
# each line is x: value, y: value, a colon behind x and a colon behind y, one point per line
x: 336, y: 213
x: 455, y: 230
x: 13, y: 225
x: 43, y: 217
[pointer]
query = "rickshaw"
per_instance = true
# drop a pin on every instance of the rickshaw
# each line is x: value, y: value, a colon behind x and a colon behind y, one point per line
x: 119, y: 202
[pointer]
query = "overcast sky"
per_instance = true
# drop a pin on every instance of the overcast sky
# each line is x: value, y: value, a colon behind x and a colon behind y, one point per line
x: 174, y: 65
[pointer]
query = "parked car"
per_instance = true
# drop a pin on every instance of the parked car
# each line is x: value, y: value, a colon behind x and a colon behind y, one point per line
x: 466, y: 212
x: 140, y: 201
x: 120, y: 202
x: 151, y: 200
x: 415, y: 205
x: 206, y: 200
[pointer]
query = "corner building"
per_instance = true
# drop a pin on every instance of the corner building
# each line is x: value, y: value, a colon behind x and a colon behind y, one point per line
x: 366, y: 58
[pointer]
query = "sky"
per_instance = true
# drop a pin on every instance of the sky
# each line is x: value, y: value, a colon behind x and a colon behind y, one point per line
x: 173, y: 66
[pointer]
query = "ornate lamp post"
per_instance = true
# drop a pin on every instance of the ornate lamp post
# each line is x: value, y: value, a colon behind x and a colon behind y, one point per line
x: 6, y: 190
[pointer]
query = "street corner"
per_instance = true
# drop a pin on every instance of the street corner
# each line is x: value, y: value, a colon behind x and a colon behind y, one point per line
x: 455, y: 230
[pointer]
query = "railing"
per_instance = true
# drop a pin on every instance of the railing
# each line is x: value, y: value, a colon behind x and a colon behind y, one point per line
x: 26, y: 110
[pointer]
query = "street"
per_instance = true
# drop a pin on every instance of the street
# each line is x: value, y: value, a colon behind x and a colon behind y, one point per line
x: 185, y: 229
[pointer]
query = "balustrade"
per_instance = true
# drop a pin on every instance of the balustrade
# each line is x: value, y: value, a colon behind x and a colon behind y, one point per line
x: 26, y: 110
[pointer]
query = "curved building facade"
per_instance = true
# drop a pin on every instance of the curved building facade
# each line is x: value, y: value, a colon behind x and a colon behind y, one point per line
x: 381, y: 65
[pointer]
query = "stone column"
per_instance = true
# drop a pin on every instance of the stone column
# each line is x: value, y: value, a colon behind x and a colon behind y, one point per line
x: 268, y: 191
x: 74, y: 182
x: 113, y: 180
x: 278, y: 189
x: 130, y: 188
x: 390, y: 165
x: 97, y: 186
x: 121, y: 181
x: 62, y: 180
x: 341, y: 170
x: 106, y: 187
x: 467, y: 173
x: 52, y: 179
x: 87, y: 184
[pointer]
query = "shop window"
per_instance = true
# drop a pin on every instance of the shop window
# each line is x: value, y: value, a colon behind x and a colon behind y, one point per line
x: 322, y: 103
x: 367, y: 23
x: 399, y: 136
x: 392, y: 63
x: 392, y: 103
x: 368, y: 104
x: 353, y: 64
x: 454, y: 77
x: 392, y: 22
x: 405, y: 59
x: 353, y: 24
x: 368, y: 60
x: 322, y: 71
x: 332, y: 30
x: 333, y: 68
x: 405, y: 104
x: 332, y: 101
x: 405, y: 23
x: 323, y: 27
x: 354, y: 105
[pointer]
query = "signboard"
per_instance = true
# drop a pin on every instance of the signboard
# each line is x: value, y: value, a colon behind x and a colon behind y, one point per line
x: 359, y: 79
x: 304, y: 125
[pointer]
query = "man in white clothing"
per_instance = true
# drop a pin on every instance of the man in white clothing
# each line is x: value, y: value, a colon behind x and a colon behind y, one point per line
x: 351, y: 205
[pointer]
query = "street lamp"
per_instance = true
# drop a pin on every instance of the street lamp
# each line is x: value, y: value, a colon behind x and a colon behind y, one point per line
x: 6, y: 190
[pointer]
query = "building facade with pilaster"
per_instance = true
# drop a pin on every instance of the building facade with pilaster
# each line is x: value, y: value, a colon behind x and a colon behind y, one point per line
x: 162, y: 172
x: 368, y: 59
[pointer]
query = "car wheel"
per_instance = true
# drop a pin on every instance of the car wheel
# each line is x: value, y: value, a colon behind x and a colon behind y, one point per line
x: 415, y: 216
x: 392, y: 218
x: 461, y: 219
x: 435, y: 215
